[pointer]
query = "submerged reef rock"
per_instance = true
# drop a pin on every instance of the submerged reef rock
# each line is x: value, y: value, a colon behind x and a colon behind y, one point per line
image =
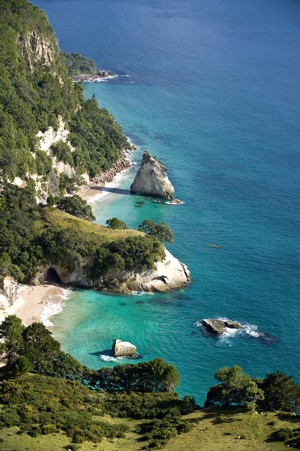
x: 123, y: 348
x: 152, y: 179
x: 218, y: 326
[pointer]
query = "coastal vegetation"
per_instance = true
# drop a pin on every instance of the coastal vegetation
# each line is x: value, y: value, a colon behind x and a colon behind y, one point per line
x: 49, y: 400
x: 45, y: 392
x: 36, y: 92
x: 115, y: 223
x: 33, y: 236
x: 79, y: 64
x: 161, y: 231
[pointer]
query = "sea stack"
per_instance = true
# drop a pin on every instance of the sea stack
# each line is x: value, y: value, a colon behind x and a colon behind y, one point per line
x: 123, y: 348
x: 152, y: 179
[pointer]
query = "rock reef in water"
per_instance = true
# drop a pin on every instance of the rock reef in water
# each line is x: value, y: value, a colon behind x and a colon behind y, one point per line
x: 152, y: 179
x: 123, y: 348
x: 218, y: 326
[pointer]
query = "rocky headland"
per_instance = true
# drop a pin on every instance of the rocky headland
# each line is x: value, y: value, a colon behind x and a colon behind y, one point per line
x: 152, y: 179
x: 168, y: 274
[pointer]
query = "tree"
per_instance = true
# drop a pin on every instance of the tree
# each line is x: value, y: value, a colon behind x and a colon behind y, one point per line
x: 161, y: 231
x: 281, y: 393
x: 153, y: 376
x: 40, y: 347
x: 115, y: 223
x: 236, y: 388
x: 76, y: 206
x: 11, y: 330
x: 20, y: 365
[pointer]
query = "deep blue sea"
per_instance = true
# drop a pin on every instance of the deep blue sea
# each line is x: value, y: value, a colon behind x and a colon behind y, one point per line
x: 211, y: 87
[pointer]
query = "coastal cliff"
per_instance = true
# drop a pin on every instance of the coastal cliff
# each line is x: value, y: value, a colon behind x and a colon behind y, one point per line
x: 52, y: 140
x: 168, y: 273
x: 152, y: 179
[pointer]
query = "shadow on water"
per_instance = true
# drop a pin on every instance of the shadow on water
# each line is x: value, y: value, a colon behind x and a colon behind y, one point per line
x: 125, y: 192
x: 103, y: 352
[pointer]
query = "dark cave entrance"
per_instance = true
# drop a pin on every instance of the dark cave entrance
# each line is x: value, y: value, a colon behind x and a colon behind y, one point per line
x: 51, y: 276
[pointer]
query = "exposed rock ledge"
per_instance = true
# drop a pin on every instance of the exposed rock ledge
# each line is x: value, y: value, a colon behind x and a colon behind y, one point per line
x: 219, y: 326
x: 169, y: 274
x: 152, y: 179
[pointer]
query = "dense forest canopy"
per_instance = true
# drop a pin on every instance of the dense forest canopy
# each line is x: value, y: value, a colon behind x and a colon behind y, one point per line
x: 35, y: 92
x: 78, y: 64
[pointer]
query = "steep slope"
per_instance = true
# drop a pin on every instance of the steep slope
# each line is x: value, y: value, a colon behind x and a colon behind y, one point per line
x: 49, y: 135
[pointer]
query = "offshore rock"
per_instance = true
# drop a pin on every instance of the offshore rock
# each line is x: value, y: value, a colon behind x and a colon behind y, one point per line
x: 123, y: 348
x: 219, y: 326
x: 152, y: 179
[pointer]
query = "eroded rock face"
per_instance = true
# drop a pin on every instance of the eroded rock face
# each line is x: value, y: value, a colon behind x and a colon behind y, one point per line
x: 218, y: 326
x: 37, y: 48
x: 123, y: 348
x: 169, y: 274
x: 152, y: 179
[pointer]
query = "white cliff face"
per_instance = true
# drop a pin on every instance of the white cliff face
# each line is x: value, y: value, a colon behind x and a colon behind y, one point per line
x: 36, y: 48
x: 51, y: 136
x: 152, y: 179
x: 169, y: 274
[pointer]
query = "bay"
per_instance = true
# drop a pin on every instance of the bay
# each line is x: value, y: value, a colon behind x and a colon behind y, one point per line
x: 212, y: 89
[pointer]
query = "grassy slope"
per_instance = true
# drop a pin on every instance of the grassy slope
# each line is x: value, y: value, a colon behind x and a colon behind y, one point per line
x: 212, y: 431
x: 60, y: 219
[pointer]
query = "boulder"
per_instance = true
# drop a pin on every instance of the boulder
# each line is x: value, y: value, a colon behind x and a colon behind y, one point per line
x: 152, y: 179
x: 123, y: 348
x: 219, y: 326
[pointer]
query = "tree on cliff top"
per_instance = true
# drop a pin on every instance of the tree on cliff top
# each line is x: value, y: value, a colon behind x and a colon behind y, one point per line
x: 76, y: 207
x: 115, y: 223
x: 236, y: 388
x: 162, y: 231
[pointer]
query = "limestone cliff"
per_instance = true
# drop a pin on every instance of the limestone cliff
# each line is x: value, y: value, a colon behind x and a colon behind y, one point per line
x: 152, y: 179
x: 37, y: 48
x: 168, y: 274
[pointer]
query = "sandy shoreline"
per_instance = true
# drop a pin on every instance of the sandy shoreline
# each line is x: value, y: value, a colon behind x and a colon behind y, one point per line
x: 36, y: 303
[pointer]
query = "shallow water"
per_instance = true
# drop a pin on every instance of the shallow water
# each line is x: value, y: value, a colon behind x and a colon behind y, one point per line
x: 213, y: 91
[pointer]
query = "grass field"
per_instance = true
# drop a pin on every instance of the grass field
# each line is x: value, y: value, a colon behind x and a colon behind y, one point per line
x: 213, y: 430
x: 63, y: 220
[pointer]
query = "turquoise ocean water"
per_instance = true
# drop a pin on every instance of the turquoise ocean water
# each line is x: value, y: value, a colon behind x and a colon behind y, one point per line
x: 212, y: 89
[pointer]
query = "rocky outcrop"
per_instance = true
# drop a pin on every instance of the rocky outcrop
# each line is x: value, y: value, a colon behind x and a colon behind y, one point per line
x: 109, y: 175
x: 218, y: 326
x: 169, y: 274
x: 37, y: 48
x: 152, y: 179
x: 123, y: 348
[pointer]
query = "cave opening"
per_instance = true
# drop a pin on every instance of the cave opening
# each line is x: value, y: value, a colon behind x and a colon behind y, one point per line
x: 51, y: 276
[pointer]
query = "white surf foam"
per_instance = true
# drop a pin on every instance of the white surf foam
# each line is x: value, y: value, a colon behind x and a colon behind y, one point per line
x: 246, y: 329
x: 54, y: 306
x: 110, y: 358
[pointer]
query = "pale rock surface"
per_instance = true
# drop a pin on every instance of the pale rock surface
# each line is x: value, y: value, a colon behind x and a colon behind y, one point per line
x: 169, y: 274
x: 123, y: 348
x: 152, y: 179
